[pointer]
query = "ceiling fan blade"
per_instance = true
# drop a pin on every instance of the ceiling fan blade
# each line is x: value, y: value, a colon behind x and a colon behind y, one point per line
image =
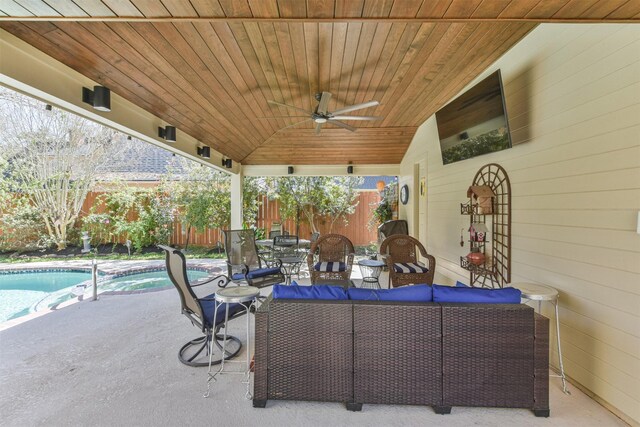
x: 356, y: 118
x: 288, y: 106
x: 342, y: 125
x: 278, y: 117
x: 295, y: 124
x: 356, y: 107
x: 318, y: 127
x: 324, y: 103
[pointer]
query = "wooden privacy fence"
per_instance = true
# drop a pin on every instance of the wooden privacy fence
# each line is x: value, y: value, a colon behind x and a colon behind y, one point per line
x: 356, y: 230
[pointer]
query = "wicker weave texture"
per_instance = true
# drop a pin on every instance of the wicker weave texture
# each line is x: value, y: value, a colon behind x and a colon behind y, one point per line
x: 488, y: 355
x: 261, y: 356
x: 310, y: 351
x: 400, y: 248
x: 541, y: 368
x: 331, y: 248
x: 397, y: 354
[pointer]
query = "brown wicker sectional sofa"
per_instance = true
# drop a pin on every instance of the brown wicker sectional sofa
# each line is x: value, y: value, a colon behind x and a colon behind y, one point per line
x: 434, y: 354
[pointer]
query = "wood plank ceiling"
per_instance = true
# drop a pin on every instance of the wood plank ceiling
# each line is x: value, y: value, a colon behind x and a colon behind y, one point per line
x: 209, y: 66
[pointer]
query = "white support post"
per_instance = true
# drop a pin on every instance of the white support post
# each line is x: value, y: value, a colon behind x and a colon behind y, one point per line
x: 236, y: 200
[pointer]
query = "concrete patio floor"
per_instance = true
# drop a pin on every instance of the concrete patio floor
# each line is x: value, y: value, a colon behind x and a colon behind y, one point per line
x: 114, y: 362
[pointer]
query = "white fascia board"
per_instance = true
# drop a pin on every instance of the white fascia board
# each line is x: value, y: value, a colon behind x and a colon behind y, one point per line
x: 320, y: 170
x: 28, y: 70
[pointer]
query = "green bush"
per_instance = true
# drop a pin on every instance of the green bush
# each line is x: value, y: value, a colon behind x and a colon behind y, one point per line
x: 141, y: 215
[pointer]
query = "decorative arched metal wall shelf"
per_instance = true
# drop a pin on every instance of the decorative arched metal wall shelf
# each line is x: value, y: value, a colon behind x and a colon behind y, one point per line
x: 490, y: 209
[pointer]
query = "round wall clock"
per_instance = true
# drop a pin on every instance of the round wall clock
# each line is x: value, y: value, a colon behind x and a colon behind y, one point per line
x: 404, y: 194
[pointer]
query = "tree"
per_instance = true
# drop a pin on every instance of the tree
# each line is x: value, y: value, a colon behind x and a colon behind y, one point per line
x: 53, y: 159
x: 200, y: 194
x: 316, y: 197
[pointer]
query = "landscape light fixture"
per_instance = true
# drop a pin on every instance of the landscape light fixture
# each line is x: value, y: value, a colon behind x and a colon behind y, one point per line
x: 168, y: 133
x: 204, y: 152
x: 290, y: 170
x: 227, y: 163
x: 99, y: 97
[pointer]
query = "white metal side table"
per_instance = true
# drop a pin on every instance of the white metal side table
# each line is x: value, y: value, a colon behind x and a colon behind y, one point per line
x: 245, y: 296
x: 540, y: 293
x: 371, y: 270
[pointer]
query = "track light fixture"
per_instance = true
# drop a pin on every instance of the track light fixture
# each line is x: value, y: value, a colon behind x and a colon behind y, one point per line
x: 99, y: 98
x: 204, y: 152
x: 290, y: 170
x: 168, y: 133
x: 227, y: 163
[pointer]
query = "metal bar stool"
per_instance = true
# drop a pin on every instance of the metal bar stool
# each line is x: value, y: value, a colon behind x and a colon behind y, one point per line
x: 540, y: 293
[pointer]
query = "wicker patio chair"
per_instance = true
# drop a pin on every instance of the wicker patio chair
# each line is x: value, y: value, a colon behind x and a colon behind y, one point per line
x: 400, y: 252
x: 244, y: 262
x: 200, y: 311
x: 330, y: 258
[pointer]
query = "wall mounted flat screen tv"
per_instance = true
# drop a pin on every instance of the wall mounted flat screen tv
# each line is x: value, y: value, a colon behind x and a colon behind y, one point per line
x: 475, y: 123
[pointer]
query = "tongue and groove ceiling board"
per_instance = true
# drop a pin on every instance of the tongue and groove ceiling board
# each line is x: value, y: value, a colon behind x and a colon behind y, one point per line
x: 208, y: 67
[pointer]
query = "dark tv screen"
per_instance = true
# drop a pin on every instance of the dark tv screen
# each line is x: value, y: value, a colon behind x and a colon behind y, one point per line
x: 475, y: 123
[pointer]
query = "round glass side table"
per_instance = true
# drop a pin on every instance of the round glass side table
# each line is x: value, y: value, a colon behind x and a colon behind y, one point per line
x: 540, y: 293
x: 245, y: 296
x: 371, y: 270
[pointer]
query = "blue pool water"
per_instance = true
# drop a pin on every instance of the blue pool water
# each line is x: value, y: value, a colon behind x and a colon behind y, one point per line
x: 21, y: 292
x: 25, y: 292
x: 142, y: 281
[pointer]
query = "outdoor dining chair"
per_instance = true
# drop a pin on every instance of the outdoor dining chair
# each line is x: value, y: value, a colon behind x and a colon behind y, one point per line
x: 285, y: 245
x: 244, y: 263
x: 400, y: 253
x: 200, y: 311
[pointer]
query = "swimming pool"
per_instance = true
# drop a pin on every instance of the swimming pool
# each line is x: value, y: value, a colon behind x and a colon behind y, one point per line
x: 22, y: 292
x: 146, y: 281
x: 25, y: 292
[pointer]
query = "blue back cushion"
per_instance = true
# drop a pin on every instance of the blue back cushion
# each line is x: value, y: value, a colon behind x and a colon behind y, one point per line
x: 476, y: 295
x: 324, y: 292
x: 415, y: 293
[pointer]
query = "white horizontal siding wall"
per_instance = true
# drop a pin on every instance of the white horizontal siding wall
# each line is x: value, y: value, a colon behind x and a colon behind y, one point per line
x: 573, y: 100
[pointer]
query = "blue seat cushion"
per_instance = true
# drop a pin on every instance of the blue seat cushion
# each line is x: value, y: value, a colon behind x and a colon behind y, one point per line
x: 330, y: 266
x: 322, y: 292
x: 476, y: 295
x: 208, y: 306
x: 262, y: 272
x: 237, y: 276
x: 409, y: 267
x: 415, y: 293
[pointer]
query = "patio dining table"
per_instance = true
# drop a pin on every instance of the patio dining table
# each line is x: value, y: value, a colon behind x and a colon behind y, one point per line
x: 269, y: 242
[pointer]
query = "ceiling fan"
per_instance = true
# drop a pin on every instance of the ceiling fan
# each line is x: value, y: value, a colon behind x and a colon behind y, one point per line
x: 321, y: 116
